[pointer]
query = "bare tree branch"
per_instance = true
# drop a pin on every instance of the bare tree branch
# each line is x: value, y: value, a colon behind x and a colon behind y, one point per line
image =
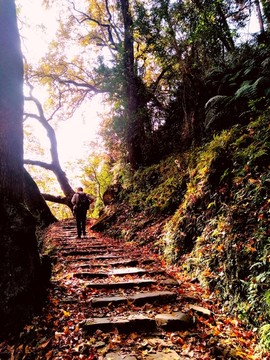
x: 57, y: 199
x: 55, y: 166
x: 39, y: 163
x: 108, y: 27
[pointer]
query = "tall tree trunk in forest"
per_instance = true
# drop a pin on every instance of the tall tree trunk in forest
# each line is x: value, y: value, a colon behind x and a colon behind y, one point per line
x: 259, y: 14
x: 224, y: 33
x: 266, y: 11
x: 135, y: 129
x: 19, y: 258
x: 35, y: 203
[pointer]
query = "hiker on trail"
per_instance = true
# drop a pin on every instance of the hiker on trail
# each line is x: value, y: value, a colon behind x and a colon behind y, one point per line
x: 81, y: 203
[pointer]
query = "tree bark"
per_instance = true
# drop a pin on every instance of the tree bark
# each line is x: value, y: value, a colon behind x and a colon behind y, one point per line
x: 134, y: 115
x: 36, y: 203
x: 225, y: 33
x: 54, y: 166
x: 20, y: 266
x: 259, y: 13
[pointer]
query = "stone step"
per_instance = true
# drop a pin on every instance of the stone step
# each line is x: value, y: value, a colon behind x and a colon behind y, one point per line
x: 91, y: 258
x: 90, y: 275
x: 83, y: 252
x: 124, y: 262
x: 166, y: 354
x: 163, y: 355
x: 122, y: 284
x: 119, y: 356
x: 90, y: 251
x: 135, y: 271
x: 174, y: 322
x: 114, y: 272
x: 127, y: 271
x: 123, y: 324
x: 139, y: 323
x: 69, y: 247
x: 110, y: 263
x: 120, y: 262
x: 107, y: 257
x: 84, y: 240
x: 117, y: 272
x: 201, y: 310
x: 139, y: 299
x: 68, y: 227
x: 148, y: 261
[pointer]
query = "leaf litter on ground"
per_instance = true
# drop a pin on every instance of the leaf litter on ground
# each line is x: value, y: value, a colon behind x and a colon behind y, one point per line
x: 55, y: 333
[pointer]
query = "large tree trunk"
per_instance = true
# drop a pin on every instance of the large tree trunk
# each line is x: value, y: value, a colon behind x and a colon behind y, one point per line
x: 134, y: 114
x: 266, y: 10
x: 19, y: 258
x: 36, y: 203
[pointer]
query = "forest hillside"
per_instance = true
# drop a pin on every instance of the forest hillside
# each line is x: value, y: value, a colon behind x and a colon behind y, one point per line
x: 207, y: 210
x: 183, y: 145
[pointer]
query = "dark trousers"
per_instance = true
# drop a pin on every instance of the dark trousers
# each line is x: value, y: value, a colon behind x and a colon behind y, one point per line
x: 81, y: 222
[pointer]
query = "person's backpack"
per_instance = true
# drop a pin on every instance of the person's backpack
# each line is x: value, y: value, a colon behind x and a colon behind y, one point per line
x: 83, y: 201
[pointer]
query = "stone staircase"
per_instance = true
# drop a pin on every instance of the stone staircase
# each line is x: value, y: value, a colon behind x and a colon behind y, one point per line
x: 119, y: 289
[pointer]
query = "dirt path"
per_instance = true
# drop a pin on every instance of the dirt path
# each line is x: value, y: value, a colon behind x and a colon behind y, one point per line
x: 115, y: 300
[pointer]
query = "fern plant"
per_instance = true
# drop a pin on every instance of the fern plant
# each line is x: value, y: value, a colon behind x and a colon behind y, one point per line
x: 241, y: 91
x: 216, y: 109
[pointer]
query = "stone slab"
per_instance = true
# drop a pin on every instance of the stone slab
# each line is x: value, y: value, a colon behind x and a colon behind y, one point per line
x: 127, y: 271
x: 120, y: 262
x: 122, y: 284
x: 116, y: 272
x: 148, y: 261
x: 137, y: 323
x: 84, y: 247
x: 158, y: 272
x: 174, y: 322
x: 119, y: 356
x: 88, y: 275
x: 139, y: 299
x: 160, y: 297
x: 91, y: 258
x: 131, y: 323
x: 106, y: 300
x: 124, y: 262
x: 82, y: 252
x: 107, y: 256
x: 169, y: 282
x: 201, y: 310
x: 164, y: 355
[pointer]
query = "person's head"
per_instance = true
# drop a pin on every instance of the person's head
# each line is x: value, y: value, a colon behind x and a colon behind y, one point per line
x: 79, y: 188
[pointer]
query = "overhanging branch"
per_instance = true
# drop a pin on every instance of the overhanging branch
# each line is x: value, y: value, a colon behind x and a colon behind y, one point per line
x: 39, y: 163
x: 56, y: 199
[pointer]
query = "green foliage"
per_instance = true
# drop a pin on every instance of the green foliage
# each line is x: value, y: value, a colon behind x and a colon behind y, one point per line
x: 265, y: 337
x: 60, y: 211
x: 241, y: 91
x: 187, y: 223
x: 97, y: 177
x: 156, y: 189
x: 220, y: 230
x: 267, y: 299
x: 216, y: 109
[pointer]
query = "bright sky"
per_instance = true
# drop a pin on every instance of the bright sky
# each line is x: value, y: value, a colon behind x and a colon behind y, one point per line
x: 71, y: 134
x: 74, y: 133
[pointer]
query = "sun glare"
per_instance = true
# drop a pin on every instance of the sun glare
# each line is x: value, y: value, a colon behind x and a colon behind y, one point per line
x: 38, y: 27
